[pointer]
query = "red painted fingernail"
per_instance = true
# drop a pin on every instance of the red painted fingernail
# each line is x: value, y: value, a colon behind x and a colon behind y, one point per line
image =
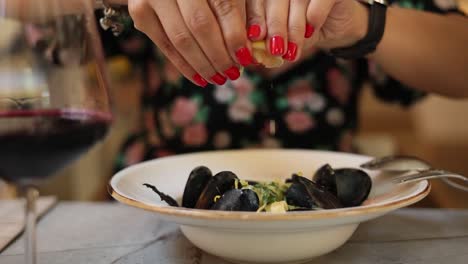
x: 244, y: 56
x: 277, y: 45
x: 254, y: 31
x: 219, y: 79
x: 233, y: 73
x: 309, y: 31
x: 292, y: 52
x: 199, y: 80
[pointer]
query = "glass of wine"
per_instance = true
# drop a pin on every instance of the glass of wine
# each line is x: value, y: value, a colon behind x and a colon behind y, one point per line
x: 54, y: 101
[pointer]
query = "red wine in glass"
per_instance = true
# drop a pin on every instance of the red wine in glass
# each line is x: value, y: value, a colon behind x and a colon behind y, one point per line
x: 37, y: 143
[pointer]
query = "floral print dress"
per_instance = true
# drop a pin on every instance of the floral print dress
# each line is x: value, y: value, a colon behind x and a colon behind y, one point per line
x: 313, y: 104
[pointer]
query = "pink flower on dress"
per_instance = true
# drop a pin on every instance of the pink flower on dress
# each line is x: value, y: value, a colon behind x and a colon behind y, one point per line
x: 183, y: 111
x: 299, y: 94
x: 135, y: 153
x: 338, y: 86
x: 242, y: 86
x: 299, y: 122
x: 241, y: 110
x: 346, y: 142
x: 195, y: 135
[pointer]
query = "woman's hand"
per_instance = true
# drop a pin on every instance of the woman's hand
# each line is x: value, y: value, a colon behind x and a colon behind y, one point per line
x: 323, y: 24
x: 204, y: 39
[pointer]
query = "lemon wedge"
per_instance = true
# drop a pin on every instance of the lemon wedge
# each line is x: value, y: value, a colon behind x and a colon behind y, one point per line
x: 262, y: 56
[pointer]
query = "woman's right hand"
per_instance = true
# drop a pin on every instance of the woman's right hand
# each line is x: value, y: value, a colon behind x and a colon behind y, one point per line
x: 204, y: 39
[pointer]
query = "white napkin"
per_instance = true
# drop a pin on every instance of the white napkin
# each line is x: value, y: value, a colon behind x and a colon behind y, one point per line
x: 12, y: 217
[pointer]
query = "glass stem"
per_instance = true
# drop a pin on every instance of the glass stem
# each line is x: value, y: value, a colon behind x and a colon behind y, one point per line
x: 31, y: 194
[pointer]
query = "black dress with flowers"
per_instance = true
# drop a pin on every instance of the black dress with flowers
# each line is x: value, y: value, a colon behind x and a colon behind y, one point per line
x: 314, y: 103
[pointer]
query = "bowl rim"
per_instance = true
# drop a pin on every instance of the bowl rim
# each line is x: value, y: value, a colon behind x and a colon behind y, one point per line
x: 253, y: 216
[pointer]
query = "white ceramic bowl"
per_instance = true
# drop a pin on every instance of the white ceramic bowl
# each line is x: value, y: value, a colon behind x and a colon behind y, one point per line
x: 258, y: 237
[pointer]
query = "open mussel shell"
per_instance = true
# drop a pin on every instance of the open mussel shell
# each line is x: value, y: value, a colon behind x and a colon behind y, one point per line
x: 325, y: 177
x: 353, y: 186
x: 238, y: 200
x: 196, y: 183
x: 217, y: 185
x: 304, y: 193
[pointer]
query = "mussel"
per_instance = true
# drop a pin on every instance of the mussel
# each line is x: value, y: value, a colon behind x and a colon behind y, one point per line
x: 351, y: 186
x: 217, y: 185
x: 304, y: 193
x: 238, y: 200
x: 196, y: 183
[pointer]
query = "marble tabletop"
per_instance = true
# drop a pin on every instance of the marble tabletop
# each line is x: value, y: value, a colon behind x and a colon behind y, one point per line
x: 113, y: 233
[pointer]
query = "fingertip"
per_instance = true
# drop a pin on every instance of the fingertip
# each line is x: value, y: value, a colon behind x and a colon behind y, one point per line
x: 292, y: 52
x: 244, y: 56
x: 233, y: 73
x: 254, y: 32
x: 277, y: 45
x: 199, y: 80
x: 309, y: 31
x: 218, y: 79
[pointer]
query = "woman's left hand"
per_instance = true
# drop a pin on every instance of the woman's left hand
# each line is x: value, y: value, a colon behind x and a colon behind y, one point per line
x: 290, y: 25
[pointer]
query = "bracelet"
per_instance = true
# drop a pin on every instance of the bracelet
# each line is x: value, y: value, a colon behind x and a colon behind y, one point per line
x: 115, y: 18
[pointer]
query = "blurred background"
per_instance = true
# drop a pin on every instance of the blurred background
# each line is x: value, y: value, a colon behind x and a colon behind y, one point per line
x: 434, y: 129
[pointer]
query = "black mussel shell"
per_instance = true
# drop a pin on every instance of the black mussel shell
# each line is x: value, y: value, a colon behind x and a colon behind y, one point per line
x: 249, y: 201
x: 305, y: 193
x: 196, y: 182
x: 353, y: 186
x: 217, y: 185
x: 238, y: 200
x: 325, y: 177
x: 230, y: 201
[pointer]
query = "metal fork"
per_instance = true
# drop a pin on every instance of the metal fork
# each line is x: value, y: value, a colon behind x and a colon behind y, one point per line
x: 414, y: 169
x: 427, y: 174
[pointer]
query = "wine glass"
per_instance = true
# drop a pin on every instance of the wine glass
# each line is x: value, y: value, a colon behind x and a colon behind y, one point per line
x: 54, y: 101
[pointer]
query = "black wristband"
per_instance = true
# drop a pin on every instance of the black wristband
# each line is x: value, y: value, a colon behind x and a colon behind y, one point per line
x: 377, y: 18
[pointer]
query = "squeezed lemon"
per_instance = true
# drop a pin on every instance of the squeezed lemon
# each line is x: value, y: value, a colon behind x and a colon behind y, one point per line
x: 262, y: 56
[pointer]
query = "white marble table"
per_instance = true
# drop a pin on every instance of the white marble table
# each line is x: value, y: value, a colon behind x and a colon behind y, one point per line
x: 107, y: 233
